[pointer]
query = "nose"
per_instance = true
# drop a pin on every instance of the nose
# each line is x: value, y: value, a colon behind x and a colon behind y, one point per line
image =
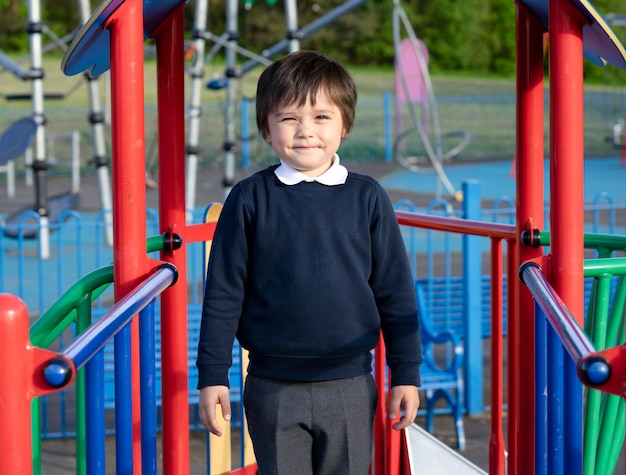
x: 304, y: 128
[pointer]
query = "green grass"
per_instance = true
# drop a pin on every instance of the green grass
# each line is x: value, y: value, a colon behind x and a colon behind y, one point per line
x: 483, y: 106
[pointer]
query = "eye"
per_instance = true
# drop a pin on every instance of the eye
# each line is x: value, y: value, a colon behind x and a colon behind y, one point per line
x: 322, y: 117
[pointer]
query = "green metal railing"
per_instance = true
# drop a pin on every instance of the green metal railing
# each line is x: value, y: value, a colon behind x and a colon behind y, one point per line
x: 73, y: 307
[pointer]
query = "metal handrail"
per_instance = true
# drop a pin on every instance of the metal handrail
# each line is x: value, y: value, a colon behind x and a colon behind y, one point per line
x: 88, y: 343
x: 593, y: 368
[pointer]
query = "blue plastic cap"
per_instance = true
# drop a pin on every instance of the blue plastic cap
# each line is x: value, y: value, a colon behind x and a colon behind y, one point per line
x: 595, y: 370
x: 598, y: 372
x: 57, y: 372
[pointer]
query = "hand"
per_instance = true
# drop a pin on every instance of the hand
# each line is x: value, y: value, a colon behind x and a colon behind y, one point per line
x: 407, y: 399
x: 210, y: 397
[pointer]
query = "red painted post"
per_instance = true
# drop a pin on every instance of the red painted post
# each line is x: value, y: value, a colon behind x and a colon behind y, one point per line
x: 496, y: 439
x: 15, y: 387
x: 530, y: 201
x: 130, y: 262
x: 567, y: 155
x: 392, y: 440
x: 566, y: 190
x: 388, y: 452
x: 381, y: 411
x: 21, y: 380
x: 172, y: 218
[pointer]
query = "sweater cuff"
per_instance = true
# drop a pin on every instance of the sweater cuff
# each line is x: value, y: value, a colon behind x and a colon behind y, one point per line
x: 213, y: 375
x: 407, y: 374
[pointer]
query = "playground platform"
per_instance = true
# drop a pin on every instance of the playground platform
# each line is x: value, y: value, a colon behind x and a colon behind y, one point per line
x: 58, y: 456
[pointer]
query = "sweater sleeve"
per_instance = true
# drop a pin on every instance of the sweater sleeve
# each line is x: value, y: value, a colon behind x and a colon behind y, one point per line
x: 393, y: 286
x: 224, y: 292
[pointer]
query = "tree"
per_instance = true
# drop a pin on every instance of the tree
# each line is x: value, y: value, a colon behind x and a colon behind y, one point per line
x: 470, y: 36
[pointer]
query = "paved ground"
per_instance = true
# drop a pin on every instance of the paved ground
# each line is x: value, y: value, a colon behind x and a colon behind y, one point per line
x: 209, y: 188
x: 59, y: 456
x: 602, y: 176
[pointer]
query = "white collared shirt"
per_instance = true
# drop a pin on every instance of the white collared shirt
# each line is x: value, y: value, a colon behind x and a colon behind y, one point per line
x: 335, y: 175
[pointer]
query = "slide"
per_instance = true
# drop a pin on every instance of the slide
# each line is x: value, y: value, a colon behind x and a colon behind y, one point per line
x: 429, y: 456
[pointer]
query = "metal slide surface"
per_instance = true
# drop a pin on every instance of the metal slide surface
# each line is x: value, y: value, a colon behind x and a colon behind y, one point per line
x: 428, y: 455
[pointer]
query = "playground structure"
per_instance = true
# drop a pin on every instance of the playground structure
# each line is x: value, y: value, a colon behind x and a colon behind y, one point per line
x: 419, y: 147
x: 117, y: 30
x: 14, y: 142
x: 49, y: 208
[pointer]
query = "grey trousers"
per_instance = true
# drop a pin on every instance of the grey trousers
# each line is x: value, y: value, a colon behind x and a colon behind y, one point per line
x: 321, y: 428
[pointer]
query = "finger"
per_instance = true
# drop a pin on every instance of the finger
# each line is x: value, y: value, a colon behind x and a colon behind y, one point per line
x: 209, y: 420
x: 408, y: 417
x: 226, y: 412
x: 405, y: 421
x: 394, y: 406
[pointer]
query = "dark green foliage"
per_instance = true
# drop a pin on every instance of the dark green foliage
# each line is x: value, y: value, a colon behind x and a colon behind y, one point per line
x: 468, y: 37
x: 13, y: 25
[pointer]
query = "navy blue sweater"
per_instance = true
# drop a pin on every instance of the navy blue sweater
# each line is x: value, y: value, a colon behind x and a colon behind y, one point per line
x: 305, y: 277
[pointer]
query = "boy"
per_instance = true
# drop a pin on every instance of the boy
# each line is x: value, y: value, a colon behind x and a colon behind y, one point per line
x: 307, y: 266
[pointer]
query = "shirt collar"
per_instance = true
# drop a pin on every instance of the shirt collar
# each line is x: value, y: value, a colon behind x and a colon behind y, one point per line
x: 335, y: 175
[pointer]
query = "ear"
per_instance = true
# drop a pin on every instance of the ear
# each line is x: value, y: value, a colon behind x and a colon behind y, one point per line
x: 267, y: 137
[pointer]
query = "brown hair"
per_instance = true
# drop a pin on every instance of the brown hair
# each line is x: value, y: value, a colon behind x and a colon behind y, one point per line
x: 300, y: 76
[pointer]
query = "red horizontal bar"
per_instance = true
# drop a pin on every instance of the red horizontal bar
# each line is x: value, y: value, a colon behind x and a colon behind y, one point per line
x: 456, y: 225
x: 200, y: 232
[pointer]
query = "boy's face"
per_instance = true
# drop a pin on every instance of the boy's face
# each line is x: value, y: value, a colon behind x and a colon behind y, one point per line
x: 306, y: 138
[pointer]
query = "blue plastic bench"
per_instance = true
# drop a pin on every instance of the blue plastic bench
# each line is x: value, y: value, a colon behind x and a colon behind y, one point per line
x: 445, y: 302
x: 441, y: 371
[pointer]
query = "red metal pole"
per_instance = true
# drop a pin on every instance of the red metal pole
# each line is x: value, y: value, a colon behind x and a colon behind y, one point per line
x: 380, y: 421
x: 22, y: 380
x: 172, y: 217
x: 393, y: 450
x: 130, y: 262
x: 529, y: 197
x: 496, y: 439
x: 15, y: 428
x: 567, y: 155
x: 566, y: 188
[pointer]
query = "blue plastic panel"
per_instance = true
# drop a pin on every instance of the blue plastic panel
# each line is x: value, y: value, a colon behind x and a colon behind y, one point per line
x: 90, y: 48
x: 600, y: 44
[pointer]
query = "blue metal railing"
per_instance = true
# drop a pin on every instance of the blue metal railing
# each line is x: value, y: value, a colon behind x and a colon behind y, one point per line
x: 578, y: 345
x: 79, y: 244
x: 558, y: 388
x: 87, y: 350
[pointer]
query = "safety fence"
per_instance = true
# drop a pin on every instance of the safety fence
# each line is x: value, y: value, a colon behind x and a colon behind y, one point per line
x: 447, y: 264
x: 440, y: 251
x: 568, y: 356
x: 485, y: 109
x: 78, y: 244
x: 452, y: 269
